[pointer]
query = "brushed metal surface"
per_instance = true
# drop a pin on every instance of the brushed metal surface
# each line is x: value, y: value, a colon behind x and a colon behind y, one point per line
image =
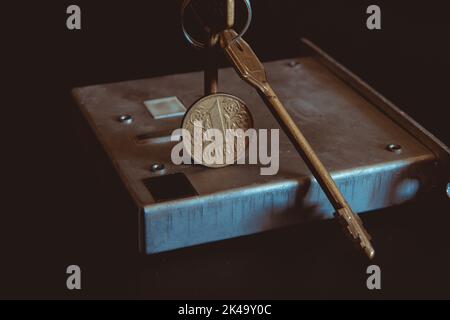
x: 348, y: 131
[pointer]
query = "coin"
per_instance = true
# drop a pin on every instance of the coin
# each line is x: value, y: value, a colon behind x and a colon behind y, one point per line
x: 226, y: 114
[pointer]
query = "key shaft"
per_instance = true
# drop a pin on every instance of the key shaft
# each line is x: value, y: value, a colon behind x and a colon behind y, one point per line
x: 251, y: 70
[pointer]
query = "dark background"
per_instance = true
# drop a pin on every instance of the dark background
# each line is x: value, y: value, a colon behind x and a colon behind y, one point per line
x: 62, y: 210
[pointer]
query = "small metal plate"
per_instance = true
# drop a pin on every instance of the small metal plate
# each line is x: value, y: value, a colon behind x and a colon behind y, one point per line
x: 347, y: 123
x: 163, y: 108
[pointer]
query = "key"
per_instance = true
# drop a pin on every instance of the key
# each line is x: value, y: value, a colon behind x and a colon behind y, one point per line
x: 252, y: 71
x: 215, y: 110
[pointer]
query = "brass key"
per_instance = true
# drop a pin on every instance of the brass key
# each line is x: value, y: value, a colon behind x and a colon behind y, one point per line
x: 251, y: 70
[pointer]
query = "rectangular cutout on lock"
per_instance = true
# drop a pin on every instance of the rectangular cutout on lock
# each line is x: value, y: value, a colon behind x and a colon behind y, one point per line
x: 162, y: 136
x: 170, y: 187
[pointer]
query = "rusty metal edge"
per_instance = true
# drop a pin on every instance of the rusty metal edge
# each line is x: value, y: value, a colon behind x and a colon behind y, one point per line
x: 437, y: 147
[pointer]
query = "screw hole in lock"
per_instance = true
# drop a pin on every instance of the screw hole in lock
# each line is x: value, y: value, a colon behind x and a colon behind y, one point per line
x: 294, y: 64
x: 157, y: 167
x: 125, y: 119
x: 395, y: 148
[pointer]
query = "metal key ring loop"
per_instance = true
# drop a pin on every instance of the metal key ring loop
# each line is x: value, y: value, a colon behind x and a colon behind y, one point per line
x: 201, y: 45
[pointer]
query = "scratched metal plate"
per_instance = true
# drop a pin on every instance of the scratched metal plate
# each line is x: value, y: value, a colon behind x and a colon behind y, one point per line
x: 345, y: 127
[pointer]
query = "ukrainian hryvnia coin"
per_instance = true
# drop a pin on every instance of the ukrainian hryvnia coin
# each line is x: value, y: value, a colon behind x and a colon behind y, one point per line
x: 217, y: 126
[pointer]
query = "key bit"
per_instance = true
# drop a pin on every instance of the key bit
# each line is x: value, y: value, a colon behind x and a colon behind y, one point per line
x: 356, y: 230
x: 251, y: 70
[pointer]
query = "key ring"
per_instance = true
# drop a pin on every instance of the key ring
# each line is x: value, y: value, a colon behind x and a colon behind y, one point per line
x: 201, y: 45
